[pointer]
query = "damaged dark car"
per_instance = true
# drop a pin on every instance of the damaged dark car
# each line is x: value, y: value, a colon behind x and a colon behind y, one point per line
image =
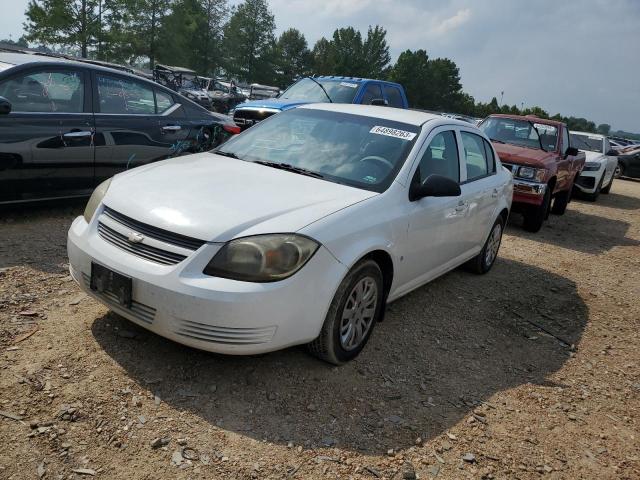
x: 67, y: 125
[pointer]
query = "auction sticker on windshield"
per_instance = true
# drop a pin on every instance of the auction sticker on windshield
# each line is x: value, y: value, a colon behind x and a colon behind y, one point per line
x: 347, y: 84
x: 392, y: 132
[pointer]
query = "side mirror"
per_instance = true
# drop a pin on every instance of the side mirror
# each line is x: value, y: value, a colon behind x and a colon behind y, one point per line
x: 612, y: 153
x: 379, y: 101
x: 434, y: 186
x: 571, y: 151
x: 5, y: 106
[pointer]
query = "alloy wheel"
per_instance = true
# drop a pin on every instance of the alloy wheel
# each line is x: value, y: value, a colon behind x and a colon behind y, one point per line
x: 493, y: 244
x: 358, y: 313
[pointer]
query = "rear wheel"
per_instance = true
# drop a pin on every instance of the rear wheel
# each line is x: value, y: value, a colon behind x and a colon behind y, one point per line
x: 619, y: 172
x: 535, y: 217
x: 483, y: 262
x: 354, y: 311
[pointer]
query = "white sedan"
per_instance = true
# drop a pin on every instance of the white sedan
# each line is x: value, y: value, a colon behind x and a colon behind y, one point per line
x: 297, y: 231
x: 600, y: 166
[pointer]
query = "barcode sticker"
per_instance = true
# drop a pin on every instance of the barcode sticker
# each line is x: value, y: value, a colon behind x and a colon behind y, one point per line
x: 393, y: 132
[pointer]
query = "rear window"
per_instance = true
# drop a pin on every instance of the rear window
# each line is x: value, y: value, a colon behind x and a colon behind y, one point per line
x: 393, y: 96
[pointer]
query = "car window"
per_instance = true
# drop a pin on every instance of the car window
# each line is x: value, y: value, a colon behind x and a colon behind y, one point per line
x: 565, y: 140
x: 371, y: 92
x: 60, y: 91
x: 475, y: 156
x: 124, y: 96
x: 440, y: 158
x: 164, y: 101
x: 491, y: 160
x: 360, y: 151
x: 393, y: 96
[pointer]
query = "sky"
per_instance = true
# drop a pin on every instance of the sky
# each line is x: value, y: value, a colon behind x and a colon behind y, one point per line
x: 575, y: 57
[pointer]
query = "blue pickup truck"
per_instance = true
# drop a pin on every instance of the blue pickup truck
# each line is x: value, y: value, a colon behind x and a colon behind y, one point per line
x: 323, y: 90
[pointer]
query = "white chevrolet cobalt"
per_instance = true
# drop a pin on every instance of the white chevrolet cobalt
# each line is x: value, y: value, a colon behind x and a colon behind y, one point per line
x: 297, y: 231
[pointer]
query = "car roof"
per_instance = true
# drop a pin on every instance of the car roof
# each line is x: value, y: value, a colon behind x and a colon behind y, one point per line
x: 530, y: 118
x: 412, y: 117
x: 589, y: 134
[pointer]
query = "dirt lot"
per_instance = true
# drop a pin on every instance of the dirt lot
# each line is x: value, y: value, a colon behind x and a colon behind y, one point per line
x: 530, y: 371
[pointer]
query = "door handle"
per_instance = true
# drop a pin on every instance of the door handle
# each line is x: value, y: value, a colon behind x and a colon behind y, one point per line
x: 171, y: 128
x: 495, y: 192
x: 78, y: 134
x: 461, y: 207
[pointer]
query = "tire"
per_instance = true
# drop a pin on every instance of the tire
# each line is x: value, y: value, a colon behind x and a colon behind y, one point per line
x: 592, y: 197
x: 535, y: 217
x: 619, y: 171
x: 607, y: 189
x: 483, y: 262
x: 561, y: 201
x: 335, y: 344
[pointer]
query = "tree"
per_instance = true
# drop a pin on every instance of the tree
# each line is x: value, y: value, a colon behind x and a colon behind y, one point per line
x: 21, y: 42
x: 346, y: 52
x: 604, y: 128
x: 249, y: 41
x: 376, y: 53
x: 71, y: 23
x: 322, y: 57
x: 215, y: 14
x: 412, y: 71
x: 293, y: 56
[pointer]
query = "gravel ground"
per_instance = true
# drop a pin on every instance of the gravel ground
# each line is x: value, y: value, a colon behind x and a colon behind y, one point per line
x: 530, y: 371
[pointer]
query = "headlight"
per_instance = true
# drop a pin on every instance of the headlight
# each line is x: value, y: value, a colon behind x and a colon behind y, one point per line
x: 96, y: 197
x: 262, y: 258
x: 530, y: 173
x: 591, y: 166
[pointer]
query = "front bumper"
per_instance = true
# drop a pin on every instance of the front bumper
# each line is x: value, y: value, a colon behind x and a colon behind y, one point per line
x: 528, y: 192
x: 219, y: 315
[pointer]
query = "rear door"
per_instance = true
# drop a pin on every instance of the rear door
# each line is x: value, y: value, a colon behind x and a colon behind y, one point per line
x: 46, y: 142
x: 136, y: 123
x: 479, y: 189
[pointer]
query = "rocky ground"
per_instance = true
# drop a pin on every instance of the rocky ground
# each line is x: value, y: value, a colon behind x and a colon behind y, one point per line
x: 530, y: 371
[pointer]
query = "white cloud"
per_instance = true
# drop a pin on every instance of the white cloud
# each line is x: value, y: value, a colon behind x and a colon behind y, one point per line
x: 452, y: 23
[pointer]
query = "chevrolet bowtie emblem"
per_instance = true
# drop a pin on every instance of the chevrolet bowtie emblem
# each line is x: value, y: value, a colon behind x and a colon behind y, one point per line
x: 135, y: 237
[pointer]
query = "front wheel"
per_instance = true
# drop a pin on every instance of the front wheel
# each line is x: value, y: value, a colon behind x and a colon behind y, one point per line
x: 607, y: 189
x: 592, y: 197
x: 352, y: 315
x: 535, y: 217
x: 561, y: 201
x: 483, y: 262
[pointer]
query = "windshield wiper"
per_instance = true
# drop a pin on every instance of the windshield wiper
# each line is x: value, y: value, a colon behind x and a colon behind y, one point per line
x: 290, y: 168
x: 538, y: 133
x: 226, y: 154
x: 320, y: 85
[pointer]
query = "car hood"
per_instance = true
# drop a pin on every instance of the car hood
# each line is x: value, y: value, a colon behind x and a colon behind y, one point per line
x: 217, y: 198
x: 275, y: 103
x: 522, y: 155
x: 594, y: 156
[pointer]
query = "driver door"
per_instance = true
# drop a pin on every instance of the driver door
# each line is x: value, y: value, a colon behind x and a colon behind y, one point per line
x: 434, y: 240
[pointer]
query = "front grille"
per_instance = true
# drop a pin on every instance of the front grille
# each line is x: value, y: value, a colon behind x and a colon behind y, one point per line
x: 226, y: 335
x: 155, y: 232
x: 142, y: 312
x: 245, y: 118
x: 139, y: 249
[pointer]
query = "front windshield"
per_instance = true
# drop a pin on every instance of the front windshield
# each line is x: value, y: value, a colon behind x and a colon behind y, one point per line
x: 308, y: 90
x: 587, y: 142
x: 523, y: 133
x: 363, y: 152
